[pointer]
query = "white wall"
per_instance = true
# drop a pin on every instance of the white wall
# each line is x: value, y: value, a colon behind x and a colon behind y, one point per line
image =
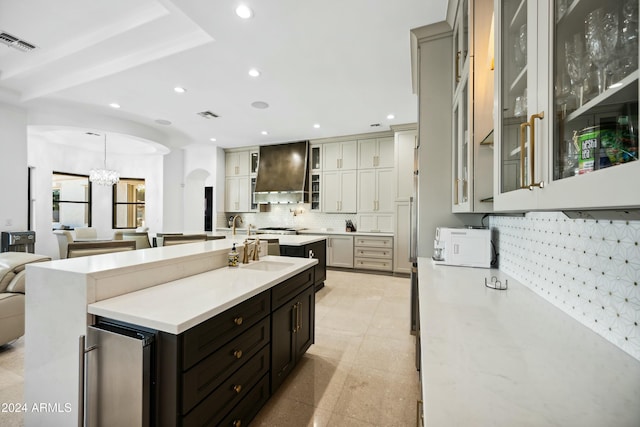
x: 173, y: 192
x: 199, y: 171
x: 46, y: 157
x: 13, y: 169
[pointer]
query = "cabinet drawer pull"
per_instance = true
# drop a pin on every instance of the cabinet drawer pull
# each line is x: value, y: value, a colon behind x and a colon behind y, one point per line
x: 237, y: 354
x: 532, y: 139
x: 237, y: 423
x: 237, y: 388
x: 238, y: 320
x: 523, y: 132
x: 294, y: 318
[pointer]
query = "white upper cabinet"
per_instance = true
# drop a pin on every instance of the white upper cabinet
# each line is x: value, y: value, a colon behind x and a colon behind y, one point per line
x: 376, y: 153
x: 472, y: 102
x: 339, y: 191
x: 339, y: 155
x: 567, y: 105
x: 236, y: 194
x: 376, y: 190
x: 237, y: 163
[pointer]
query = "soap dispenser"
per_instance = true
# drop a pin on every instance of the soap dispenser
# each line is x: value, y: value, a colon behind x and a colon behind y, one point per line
x: 233, y: 257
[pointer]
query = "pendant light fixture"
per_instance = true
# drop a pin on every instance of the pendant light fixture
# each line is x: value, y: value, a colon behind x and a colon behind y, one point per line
x: 104, y: 176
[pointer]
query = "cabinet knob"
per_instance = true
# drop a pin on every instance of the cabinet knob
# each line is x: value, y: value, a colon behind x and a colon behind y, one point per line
x: 237, y: 354
x: 238, y: 320
x: 237, y: 388
x: 237, y: 423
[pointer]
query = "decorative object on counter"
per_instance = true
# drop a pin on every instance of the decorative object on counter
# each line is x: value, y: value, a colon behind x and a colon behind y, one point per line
x: 103, y: 176
x: 233, y: 256
x: 350, y: 227
x: 496, y: 284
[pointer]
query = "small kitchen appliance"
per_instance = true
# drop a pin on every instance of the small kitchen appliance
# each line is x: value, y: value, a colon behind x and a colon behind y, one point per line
x: 466, y: 247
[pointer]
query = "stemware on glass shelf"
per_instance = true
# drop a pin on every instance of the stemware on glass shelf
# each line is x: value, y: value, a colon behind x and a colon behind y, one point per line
x: 601, y: 34
x: 520, y: 47
x: 576, y: 66
x: 629, y: 38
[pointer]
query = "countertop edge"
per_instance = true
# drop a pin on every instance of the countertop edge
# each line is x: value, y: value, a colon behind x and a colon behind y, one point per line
x: 231, y: 295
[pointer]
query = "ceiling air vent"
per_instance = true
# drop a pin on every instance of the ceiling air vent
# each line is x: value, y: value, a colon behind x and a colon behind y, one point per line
x: 208, y: 115
x: 13, y: 41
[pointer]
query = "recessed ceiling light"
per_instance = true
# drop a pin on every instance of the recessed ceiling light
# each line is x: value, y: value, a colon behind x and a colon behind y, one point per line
x: 317, y: 126
x: 260, y: 104
x: 212, y: 139
x: 179, y: 89
x: 114, y: 105
x: 244, y: 11
x: 391, y: 117
x: 264, y: 132
x: 254, y: 73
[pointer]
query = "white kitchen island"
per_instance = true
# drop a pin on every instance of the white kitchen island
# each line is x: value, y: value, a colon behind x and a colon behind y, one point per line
x: 63, y: 295
x: 510, y: 358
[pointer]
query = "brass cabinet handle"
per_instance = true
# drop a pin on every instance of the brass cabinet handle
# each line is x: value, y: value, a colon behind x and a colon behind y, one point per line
x: 237, y: 423
x: 458, y: 53
x: 294, y: 318
x: 419, y: 414
x: 238, y: 320
x: 532, y: 138
x: 237, y: 388
x: 523, y: 132
x: 237, y: 354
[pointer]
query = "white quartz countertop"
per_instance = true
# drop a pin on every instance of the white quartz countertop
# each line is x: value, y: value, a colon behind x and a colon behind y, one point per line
x: 510, y: 358
x: 332, y: 231
x: 176, y: 306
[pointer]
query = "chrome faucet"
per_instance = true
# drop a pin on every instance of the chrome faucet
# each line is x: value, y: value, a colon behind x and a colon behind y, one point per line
x: 233, y: 224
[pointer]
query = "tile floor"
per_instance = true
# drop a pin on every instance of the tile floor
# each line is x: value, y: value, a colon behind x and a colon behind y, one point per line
x: 359, y: 372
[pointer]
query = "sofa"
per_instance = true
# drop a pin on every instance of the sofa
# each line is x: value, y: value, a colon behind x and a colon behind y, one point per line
x: 12, y: 293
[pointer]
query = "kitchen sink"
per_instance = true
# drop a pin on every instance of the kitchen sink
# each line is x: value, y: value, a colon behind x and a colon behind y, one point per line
x: 267, y: 265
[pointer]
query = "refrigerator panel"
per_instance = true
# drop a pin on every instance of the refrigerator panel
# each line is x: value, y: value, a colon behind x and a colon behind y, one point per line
x: 118, y: 386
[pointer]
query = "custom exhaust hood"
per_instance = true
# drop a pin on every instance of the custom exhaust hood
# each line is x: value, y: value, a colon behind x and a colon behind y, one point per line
x: 282, y: 173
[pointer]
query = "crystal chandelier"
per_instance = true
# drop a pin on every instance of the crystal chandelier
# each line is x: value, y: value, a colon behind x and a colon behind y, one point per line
x: 104, y: 176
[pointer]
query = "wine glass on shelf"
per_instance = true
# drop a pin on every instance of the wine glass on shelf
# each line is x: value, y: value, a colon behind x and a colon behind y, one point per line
x: 601, y: 33
x: 629, y: 37
x: 576, y: 66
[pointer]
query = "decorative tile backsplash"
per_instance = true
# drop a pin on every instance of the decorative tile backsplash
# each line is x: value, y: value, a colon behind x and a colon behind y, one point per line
x: 282, y: 216
x: 588, y: 268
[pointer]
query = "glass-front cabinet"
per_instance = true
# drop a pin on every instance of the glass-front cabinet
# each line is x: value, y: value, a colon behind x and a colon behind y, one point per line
x: 567, y: 110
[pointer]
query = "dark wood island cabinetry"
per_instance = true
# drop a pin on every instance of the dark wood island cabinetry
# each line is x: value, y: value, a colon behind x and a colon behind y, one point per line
x: 317, y: 250
x: 222, y: 371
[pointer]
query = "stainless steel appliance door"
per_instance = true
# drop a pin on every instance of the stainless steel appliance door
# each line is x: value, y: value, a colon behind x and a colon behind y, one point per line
x: 414, y: 298
x: 118, y: 379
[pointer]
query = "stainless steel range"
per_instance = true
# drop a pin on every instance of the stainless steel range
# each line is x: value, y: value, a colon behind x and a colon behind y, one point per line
x: 276, y: 230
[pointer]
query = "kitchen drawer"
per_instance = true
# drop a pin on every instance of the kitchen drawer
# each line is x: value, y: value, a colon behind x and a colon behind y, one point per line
x: 373, y: 264
x: 202, y: 340
x: 248, y: 408
x: 218, y: 404
x: 374, y: 253
x: 207, y: 375
x: 291, y: 287
x: 373, y: 241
